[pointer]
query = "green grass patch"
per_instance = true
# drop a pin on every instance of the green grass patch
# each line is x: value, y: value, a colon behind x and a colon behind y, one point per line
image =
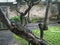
x: 16, y: 18
x: 52, y: 36
x: 21, y: 40
x: 36, y: 20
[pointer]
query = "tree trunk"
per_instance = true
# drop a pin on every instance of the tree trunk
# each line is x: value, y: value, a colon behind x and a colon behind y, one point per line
x: 59, y: 10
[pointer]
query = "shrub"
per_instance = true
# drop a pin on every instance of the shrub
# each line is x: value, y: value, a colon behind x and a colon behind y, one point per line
x: 16, y: 18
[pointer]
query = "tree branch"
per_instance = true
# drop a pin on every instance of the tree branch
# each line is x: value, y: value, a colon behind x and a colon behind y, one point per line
x: 31, y: 4
x: 35, y: 3
x: 19, y: 12
x: 21, y: 31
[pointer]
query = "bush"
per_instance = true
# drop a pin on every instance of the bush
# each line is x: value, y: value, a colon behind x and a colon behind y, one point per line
x: 16, y: 18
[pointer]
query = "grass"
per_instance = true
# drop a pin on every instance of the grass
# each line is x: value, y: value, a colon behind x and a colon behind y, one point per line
x: 52, y: 36
x: 36, y: 20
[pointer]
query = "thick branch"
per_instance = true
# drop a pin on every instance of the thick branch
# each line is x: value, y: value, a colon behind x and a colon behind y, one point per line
x: 19, y: 12
x: 46, y: 15
x: 21, y: 30
x: 3, y: 18
x: 29, y: 7
x: 31, y: 4
x: 35, y: 3
x: 26, y: 34
x: 23, y: 14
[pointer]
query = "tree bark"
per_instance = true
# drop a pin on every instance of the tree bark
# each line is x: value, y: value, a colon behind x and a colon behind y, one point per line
x: 58, y: 10
x: 21, y: 31
x: 25, y: 33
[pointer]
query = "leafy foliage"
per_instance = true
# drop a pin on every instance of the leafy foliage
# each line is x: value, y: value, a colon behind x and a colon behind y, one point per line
x: 16, y: 18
